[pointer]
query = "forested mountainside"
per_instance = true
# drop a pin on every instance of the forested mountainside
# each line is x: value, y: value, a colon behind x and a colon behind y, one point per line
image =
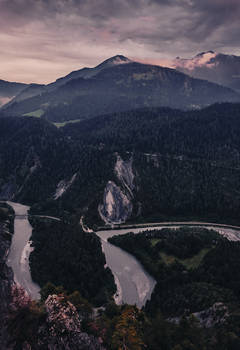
x: 118, y: 84
x: 9, y: 90
x: 29, y: 91
x: 142, y: 165
x: 181, y: 162
x: 30, y: 151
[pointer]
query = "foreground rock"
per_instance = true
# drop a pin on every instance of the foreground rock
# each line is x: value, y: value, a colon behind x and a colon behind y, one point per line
x: 54, y: 325
x: 62, y: 329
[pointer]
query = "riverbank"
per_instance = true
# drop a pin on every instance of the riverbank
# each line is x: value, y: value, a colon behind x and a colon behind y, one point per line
x: 134, y: 284
x: 18, y: 257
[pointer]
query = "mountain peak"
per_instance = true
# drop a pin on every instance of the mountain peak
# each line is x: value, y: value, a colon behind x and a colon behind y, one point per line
x: 115, y: 60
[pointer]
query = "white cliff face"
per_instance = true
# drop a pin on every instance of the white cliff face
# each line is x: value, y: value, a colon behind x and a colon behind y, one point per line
x: 116, y: 207
x: 63, y: 186
x: 124, y: 172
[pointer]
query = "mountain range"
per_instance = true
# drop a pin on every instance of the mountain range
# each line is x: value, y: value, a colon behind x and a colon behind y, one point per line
x: 118, y: 84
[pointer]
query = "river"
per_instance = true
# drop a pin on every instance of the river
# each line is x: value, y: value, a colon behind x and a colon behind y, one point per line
x: 134, y: 284
x: 18, y: 258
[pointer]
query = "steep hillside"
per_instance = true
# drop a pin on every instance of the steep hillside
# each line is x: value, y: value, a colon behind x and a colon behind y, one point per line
x: 183, y: 164
x: 9, y: 90
x: 34, y: 156
x: 141, y: 165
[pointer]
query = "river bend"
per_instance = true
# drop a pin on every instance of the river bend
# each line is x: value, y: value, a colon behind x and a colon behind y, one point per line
x: 134, y: 284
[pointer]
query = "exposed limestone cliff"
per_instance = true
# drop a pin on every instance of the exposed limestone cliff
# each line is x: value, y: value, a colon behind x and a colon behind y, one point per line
x: 116, y: 207
x: 117, y: 200
x: 63, y: 186
x: 124, y: 172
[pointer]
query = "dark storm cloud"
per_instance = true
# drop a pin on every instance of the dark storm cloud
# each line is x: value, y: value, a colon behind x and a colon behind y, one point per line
x: 42, y: 39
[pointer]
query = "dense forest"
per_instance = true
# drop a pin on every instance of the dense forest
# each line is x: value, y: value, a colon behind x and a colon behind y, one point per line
x: 68, y: 257
x: 185, y: 164
x: 196, y: 271
x: 194, y: 267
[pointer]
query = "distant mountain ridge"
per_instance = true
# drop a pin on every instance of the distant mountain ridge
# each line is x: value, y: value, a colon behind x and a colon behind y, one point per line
x: 216, y: 67
x: 9, y: 89
x: 118, y: 84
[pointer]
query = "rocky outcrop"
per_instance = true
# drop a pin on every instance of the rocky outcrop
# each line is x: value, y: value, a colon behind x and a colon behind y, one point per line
x: 62, y: 330
x: 214, y: 316
x: 55, y: 325
x: 124, y: 172
x: 63, y: 186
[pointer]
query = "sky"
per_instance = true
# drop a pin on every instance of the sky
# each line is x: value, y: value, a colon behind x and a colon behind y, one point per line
x: 42, y: 40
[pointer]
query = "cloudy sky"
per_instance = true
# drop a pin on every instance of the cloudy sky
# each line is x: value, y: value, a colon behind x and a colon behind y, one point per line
x: 41, y: 40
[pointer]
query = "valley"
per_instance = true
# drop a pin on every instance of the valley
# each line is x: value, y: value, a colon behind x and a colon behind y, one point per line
x: 127, y: 208
x: 134, y: 285
x: 119, y: 175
